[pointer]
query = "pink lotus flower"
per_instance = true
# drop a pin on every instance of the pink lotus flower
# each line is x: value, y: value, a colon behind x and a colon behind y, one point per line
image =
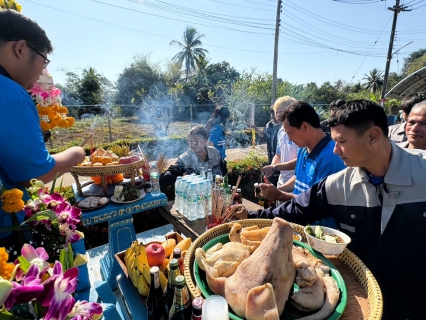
x: 84, y: 310
x: 57, y: 293
x: 29, y: 288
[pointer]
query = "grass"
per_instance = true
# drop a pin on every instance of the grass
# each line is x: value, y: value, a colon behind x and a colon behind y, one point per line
x: 121, y: 128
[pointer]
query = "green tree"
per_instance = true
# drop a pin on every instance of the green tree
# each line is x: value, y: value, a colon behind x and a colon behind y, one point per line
x: 191, y: 51
x: 136, y: 80
x: 374, y: 80
x: 415, y: 61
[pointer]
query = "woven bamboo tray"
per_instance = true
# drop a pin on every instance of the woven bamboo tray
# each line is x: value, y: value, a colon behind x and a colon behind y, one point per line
x: 103, y: 172
x: 349, y: 259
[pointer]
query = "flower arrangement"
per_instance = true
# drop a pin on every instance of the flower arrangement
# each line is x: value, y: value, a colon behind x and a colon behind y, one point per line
x: 36, y: 289
x: 10, y: 4
x: 49, y: 107
x: 50, y: 218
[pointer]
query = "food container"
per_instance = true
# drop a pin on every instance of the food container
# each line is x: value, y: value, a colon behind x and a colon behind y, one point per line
x: 328, y: 247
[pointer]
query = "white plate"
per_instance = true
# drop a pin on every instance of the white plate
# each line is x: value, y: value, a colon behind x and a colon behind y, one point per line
x: 141, y: 194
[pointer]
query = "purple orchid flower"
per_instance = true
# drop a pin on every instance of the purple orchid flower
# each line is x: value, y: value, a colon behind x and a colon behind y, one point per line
x: 29, y: 288
x: 67, y: 213
x: 57, y: 293
x: 50, y: 200
x: 68, y: 231
x: 84, y: 310
x: 37, y: 257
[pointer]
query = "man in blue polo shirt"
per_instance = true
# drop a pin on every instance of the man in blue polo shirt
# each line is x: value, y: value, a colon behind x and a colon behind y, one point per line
x: 315, y: 157
x: 24, y: 47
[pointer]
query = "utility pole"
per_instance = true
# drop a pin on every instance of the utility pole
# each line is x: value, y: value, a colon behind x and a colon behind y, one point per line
x: 274, y: 70
x: 396, y: 9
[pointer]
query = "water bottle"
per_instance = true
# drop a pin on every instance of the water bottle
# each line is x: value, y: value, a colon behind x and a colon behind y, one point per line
x: 202, y: 172
x: 185, y: 197
x: 210, y: 176
x: 201, y: 199
x: 207, y: 198
x: 155, y: 182
x: 192, y: 202
x: 177, y: 195
x: 179, y: 205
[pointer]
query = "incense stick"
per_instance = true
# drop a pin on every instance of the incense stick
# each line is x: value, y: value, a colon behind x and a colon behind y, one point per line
x: 86, y: 140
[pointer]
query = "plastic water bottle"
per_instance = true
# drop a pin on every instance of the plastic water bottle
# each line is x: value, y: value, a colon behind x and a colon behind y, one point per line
x: 155, y: 182
x: 210, y: 176
x: 177, y: 195
x: 201, y: 199
x: 202, y: 172
x: 179, y: 205
x: 207, y: 198
x: 192, y: 201
x: 185, y: 197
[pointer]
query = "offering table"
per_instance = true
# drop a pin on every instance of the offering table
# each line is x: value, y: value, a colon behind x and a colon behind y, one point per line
x: 121, y: 232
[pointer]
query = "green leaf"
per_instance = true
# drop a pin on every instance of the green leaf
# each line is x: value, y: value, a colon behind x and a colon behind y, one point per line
x: 24, y: 263
x: 44, y: 215
x: 38, y: 308
x: 4, y: 314
x: 52, y: 189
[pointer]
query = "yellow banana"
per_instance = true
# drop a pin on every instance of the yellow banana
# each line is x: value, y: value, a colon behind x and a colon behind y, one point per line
x: 163, y: 280
x: 130, y: 263
x: 147, y: 274
x: 142, y: 286
x: 184, y: 244
x: 135, y: 276
x: 141, y: 257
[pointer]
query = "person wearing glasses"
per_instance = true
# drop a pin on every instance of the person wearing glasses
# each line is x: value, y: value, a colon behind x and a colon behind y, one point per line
x: 24, y: 48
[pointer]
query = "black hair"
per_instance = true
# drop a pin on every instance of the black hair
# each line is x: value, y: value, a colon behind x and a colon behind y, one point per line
x: 224, y: 114
x: 198, y: 131
x: 336, y: 104
x: 301, y: 111
x: 14, y: 26
x: 360, y: 115
x: 409, y: 101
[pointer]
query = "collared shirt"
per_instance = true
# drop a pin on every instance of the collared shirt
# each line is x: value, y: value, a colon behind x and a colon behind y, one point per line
x: 287, y: 150
x: 397, y: 132
x: 316, y: 165
x: 3, y: 72
x: 384, y: 233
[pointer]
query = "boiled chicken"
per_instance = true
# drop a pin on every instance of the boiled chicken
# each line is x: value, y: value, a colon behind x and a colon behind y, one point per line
x: 271, y: 262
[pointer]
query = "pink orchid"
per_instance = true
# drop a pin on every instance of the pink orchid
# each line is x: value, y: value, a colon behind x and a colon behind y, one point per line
x: 57, y: 293
x: 84, y: 310
x: 68, y: 231
x: 37, y: 257
x: 67, y: 213
x: 29, y: 288
x: 50, y: 200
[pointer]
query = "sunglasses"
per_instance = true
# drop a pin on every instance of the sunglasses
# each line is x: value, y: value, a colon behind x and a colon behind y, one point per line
x: 46, y: 62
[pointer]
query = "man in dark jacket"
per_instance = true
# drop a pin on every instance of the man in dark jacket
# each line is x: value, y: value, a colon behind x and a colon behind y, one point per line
x: 379, y: 201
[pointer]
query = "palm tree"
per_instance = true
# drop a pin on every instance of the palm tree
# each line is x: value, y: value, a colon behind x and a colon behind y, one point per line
x: 191, y: 53
x: 374, y: 81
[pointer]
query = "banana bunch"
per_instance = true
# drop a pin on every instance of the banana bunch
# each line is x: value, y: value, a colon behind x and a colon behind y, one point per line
x: 138, y: 268
x: 121, y: 151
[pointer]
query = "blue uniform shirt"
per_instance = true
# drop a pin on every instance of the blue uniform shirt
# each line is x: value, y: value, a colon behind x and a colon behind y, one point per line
x: 23, y: 151
x: 315, y: 166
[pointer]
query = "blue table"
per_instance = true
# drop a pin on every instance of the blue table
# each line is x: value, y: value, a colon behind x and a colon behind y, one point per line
x: 121, y: 232
x: 132, y: 309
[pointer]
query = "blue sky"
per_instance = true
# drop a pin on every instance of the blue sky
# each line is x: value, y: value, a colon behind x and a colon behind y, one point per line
x: 320, y: 40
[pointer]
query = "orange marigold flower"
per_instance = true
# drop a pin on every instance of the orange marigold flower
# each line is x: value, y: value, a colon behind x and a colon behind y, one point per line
x: 44, y: 125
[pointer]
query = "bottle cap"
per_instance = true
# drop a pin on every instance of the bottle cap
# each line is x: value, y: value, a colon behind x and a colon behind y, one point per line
x: 177, y: 252
x: 209, y: 170
x: 174, y: 263
x: 197, y: 303
x: 256, y: 185
x: 238, y: 190
x: 154, y: 269
x: 180, y: 281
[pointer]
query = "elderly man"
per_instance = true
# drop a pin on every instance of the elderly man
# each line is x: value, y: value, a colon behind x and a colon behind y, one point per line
x: 199, y: 155
x: 379, y: 201
x: 397, y: 131
x: 24, y: 47
x: 416, y: 128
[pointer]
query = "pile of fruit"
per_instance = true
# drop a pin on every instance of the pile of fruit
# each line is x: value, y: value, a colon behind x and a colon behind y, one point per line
x: 139, y: 259
x: 103, y: 157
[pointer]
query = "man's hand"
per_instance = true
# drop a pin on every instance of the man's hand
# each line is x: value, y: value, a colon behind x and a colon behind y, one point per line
x: 269, y: 191
x: 241, y: 213
x: 267, y: 171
